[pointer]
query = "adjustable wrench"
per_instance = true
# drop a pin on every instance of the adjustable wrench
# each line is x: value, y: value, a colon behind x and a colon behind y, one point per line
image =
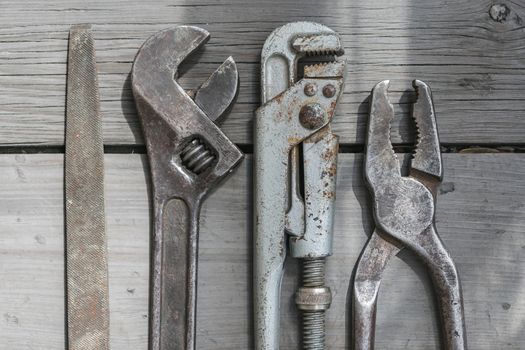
x: 188, y: 156
x: 295, y: 112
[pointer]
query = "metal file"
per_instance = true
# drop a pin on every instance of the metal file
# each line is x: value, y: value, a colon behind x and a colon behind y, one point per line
x: 86, y: 251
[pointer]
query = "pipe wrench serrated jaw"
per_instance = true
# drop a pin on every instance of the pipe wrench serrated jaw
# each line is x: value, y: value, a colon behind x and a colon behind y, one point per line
x: 295, y: 113
x: 285, y: 46
x: 188, y: 155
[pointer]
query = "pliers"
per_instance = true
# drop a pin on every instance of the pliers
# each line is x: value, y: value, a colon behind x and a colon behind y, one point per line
x: 404, y: 210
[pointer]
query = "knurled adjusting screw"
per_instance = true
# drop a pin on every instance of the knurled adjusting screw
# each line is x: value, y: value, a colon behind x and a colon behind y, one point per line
x: 313, y: 298
x: 196, y: 156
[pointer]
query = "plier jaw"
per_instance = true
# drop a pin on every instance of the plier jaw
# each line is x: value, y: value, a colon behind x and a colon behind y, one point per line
x: 427, y: 157
x: 380, y: 156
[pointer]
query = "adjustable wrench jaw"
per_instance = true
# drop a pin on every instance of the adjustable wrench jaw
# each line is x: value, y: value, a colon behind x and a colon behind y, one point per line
x: 188, y: 156
x: 294, y: 112
x: 172, y: 121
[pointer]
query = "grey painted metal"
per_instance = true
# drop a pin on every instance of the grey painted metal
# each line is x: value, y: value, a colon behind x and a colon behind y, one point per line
x: 86, y: 250
x: 404, y: 213
x: 320, y: 170
x: 294, y: 112
x: 188, y: 155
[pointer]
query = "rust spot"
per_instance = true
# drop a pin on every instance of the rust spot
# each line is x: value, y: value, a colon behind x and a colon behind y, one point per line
x: 330, y: 110
x: 279, y: 98
x: 330, y: 172
x: 333, y: 170
x: 281, y: 247
x: 315, y: 69
x: 329, y: 194
x: 329, y: 154
x: 292, y: 140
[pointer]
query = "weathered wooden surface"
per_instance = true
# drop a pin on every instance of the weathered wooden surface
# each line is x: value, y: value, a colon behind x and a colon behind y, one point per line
x: 480, y: 218
x: 473, y: 63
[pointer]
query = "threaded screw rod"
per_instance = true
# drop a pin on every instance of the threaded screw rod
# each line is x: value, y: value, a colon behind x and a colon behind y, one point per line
x: 313, y: 298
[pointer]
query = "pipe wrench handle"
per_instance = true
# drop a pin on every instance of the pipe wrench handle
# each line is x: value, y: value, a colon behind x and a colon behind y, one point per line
x: 281, y: 123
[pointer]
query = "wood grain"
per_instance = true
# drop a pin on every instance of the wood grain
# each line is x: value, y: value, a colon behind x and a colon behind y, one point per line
x: 480, y: 218
x: 473, y: 63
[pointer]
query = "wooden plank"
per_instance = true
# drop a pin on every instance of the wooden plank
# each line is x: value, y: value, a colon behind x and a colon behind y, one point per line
x: 480, y: 218
x: 473, y: 63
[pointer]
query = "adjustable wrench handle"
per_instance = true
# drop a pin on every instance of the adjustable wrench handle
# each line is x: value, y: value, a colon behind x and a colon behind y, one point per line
x: 174, y: 275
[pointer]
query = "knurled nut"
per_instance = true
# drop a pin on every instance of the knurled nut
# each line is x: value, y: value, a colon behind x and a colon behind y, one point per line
x: 313, y: 298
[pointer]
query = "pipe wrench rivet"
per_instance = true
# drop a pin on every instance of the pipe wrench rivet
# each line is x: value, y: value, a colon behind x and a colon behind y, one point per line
x: 329, y: 91
x: 312, y: 116
x: 310, y: 89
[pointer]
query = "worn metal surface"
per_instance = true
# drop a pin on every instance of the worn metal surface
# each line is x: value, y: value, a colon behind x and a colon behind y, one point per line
x: 319, y: 172
x: 215, y: 95
x: 188, y: 155
x: 86, y: 252
x: 294, y: 113
x: 404, y: 212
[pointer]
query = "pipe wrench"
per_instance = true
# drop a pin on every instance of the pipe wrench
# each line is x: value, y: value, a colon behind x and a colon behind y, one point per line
x: 404, y: 211
x: 292, y: 133
x: 188, y: 156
